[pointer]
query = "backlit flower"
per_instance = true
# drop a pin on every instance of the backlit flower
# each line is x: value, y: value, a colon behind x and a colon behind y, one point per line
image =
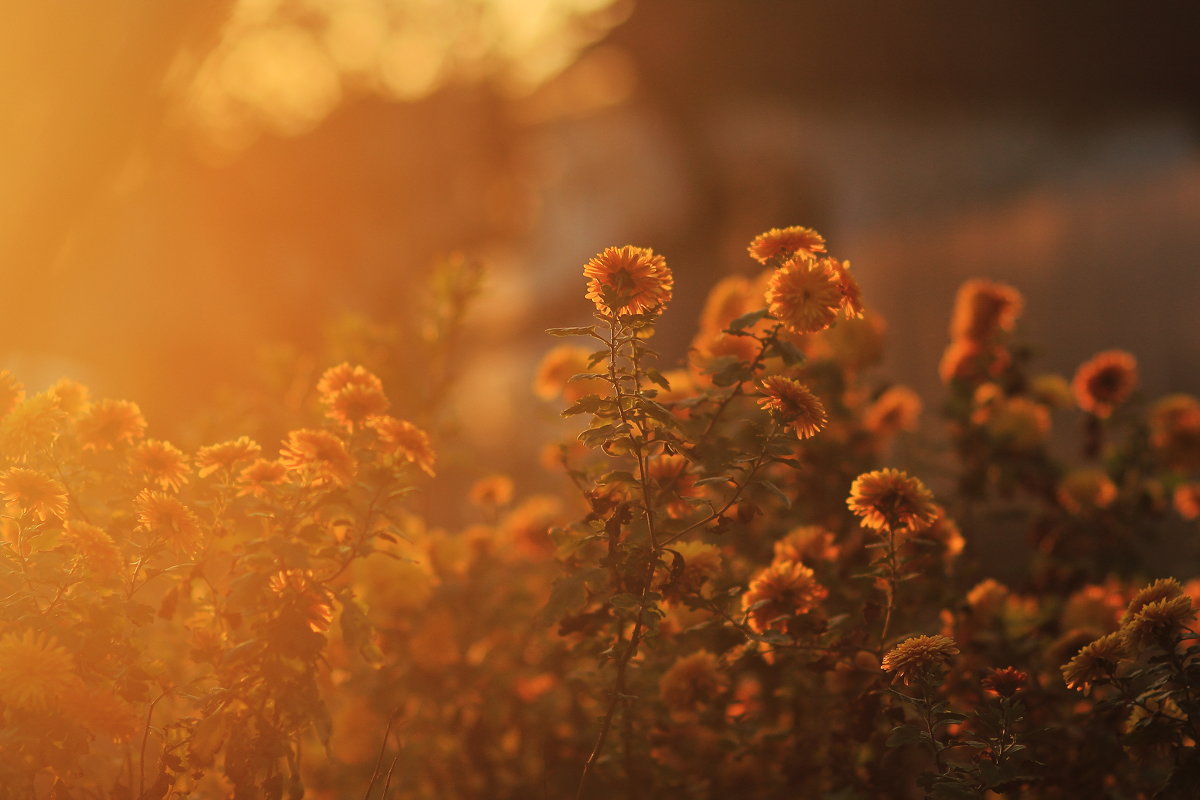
x: 807, y: 543
x: 1105, y: 381
x: 805, y: 294
x: 262, y: 473
x: 1084, y: 491
x: 1161, y: 589
x: 226, y: 455
x: 553, y: 377
x: 920, y: 657
x: 792, y: 403
x: 32, y: 427
x: 896, y: 409
x: 693, y: 680
x: 1051, y: 390
x: 783, y: 243
x: 1095, y: 662
x: 168, y: 519
x: 110, y: 423
x: 1175, y: 431
x: 1018, y: 424
x: 628, y: 280
x: 318, y: 456
x: 303, y: 596
x: 730, y: 298
x: 101, y: 710
x: 983, y: 308
x: 675, y: 483
x: 492, y: 491
x: 335, y: 379
x: 1157, y: 623
x: 160, y: 462
x: 1186, y: 500
x: 701, y: 563
x: 890, y: 499
x: 97, y: 550
x: 34, y: 668
x: 401, y: 438
x: 70, y: 396
x: 34, y: 492
x: 355, y: 403
x: 12, y: 392
x: 782, y: 590
x: 970, y: 360
x: 852, y: 302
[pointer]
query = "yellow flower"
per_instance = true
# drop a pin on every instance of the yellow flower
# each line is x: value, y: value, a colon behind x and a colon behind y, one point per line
x: 492, y: 491
x: 1051, y: 390
x: 110, y: 423
x: 1094, y: 662
x: 1161, y: 589
x: 34, y: 669
x: 335, y: 379
x: 1105, y: 381
x: 890, y: 499
x: 701, y: 563
x: 34, y: 492
x: 161, y: 462
x: 401, y: 438
x: 805, y: 294
x: 226, y: 455
x: 1157, y: 623
x: 355, y: 403
x: 794, y: 405
x: 693, y: 680
x: 259, y: 475
x: 782, y: 590
x: 97, y: 550
x: 166, y: 518
x: 303, y: 596
x: 318, y: 456
x: 70, y: 396
x: 1083, y: 491
x: 983, y: 308
x: 920, y: 657
x: 12, y: 392
x: 628, y: 280
x: 783, y: 243
x: 32, y: 426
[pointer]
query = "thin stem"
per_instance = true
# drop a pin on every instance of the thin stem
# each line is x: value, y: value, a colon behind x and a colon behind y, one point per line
x: 379, y: 760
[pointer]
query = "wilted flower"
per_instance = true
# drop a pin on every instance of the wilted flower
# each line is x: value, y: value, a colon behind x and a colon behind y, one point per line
x: 781, y: 590
x: 1105, y: 381
x: 34, y: 492
x: 794, y: 405
x: 628, y: 280
x: 805, y: 294
x: 784, y: 243
x: 890, y: 499
x: 920, y: 657
x: 1095, y: 662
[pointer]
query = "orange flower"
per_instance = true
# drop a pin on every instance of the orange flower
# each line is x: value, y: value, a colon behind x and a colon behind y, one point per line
x: 1105, y: 381
x: 95, y: 548
x: 101, y: 710
x: 553, y: 378
x: 806, y: 543
x: 675, y: 483
x: 334, y: 379
x: 226, y: 455
x: 983, y: 308
x: 492, y: 491
x: 783, y: 243
x: 70, y: 396
x: 782, y: 590
x: 1095, y: 662
x: 1005, y: 682
x: 168, y: 519
x: 304, y: 597
x: 693, y: 680
x: 12, y: 393
x: 890, y: 499
x: 34, y: 492
x: 805, y: 294
x: 1083, y: 491
x: 852, y: 302
x: 920, y: 657
x: 701, y: 563
x: 628, y: 280
x: 1157, y: 623
x: 1161, y: 589
x: 319, y: 456
x: 31, y: 427
x: 969, y: 360
x: 161, y: 462
x: 791, y: 403
x: 110, y: 423
x: 259, y: 475
x: 730, y: 298
x: 896, y: 409
x: 1187, y: 500
x: 355, y: 403
x: 1175, y: 430
x: 34, y: 669
x: 401, y: 438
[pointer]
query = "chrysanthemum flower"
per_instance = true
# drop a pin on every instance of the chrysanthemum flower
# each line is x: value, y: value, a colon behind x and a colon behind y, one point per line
x: 297, y: 588
x: 226, y: 455
x: 1083, y: 491
x: 807, y: 543
x: 95, y: 548
x: 399, y: 437
x: 805, y: 294
x: 944, y: 531
x: 553, y: 377
x: 730, y: 298
x: 1161, y: 589
x: 1105, y: 381
x: 110, y: 423
x: 1018, y: 424
x: 1095, y: 662
x: 100, y: 710
x: 920, y: 657
x: 891, y: 499
x: 352, y: 405
x: 34, y: 668
x: 1175, y: 431
x: 166, y: 518
x: 70, y: 396
x: 782, y: 590
x: 701, y: 563
x: 983, y: 308
x: 970, y: 360
x: 1157, y: 623
x: 987, y: 599
x: 793, y: 404
x: 628, y: 280
x: 160, y: 462
x: 492, y: 491
x: 693, y: 680
x: 318, y: 456
x: 852, y: 302
x: 335, y: 379
x: 675, y: 483
x: 32, y: 426
x: 34, y: 492
x: 12, y: 392
x: 262, y: 473
x: 1186, y: 500
x: 783, y: 243
x: 1005, y: 681
x: 896, y: 409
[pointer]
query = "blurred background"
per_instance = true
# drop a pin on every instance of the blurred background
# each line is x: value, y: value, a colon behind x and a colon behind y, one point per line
x: 191, y: 189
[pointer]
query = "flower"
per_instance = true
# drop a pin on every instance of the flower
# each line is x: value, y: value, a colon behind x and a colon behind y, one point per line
x: 101, y: 710
x: 693, y: 680
x: 303, y: 597
x: 160, y: 462
x: 794, y: 405
x: 34, y: 668
x: 1005, y: 681
x: 553, y: 377
x: 806, y: 543
x: 1175, y: 431
x: 628, y: 280
x: 896, y: 409
x: 1161, y: 589
x: 97, y: 550
x: 920, y: 657
x: 335, y: 379
x: 852, y: 302
x: 1157, y: 623
x: 110, y: 423
x: 355, y: 403
x: 983, y: 308
x: 970, y: 360
x: 1083, y: 491
x: 492, y: 491
x: 32, y: 426
x: 1018, y: 424
x: 401, y: 438
x: 70, y: 396
x: 892, y: 500
x: 319, y: 456
x: 700, y: 563
x: 805, y: 294
x: 675, y: 483
x: 226, y: 455
x: 1094, y: 662
x: 259, y: 475
x: 785, y: 242
x: 730, y: 298
x: 1105, y: 381
x: 12, y: 392
x: 1186, y: 500
x: 781, y: 590
x: 166, y: 518
x: 34, y: 492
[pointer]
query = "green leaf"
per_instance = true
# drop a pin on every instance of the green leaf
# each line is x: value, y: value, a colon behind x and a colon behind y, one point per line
x: 748, y: 319
x: 775, y: 490
x: 904, y: 734
x: 585, y: 330
x: 624, y: 601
